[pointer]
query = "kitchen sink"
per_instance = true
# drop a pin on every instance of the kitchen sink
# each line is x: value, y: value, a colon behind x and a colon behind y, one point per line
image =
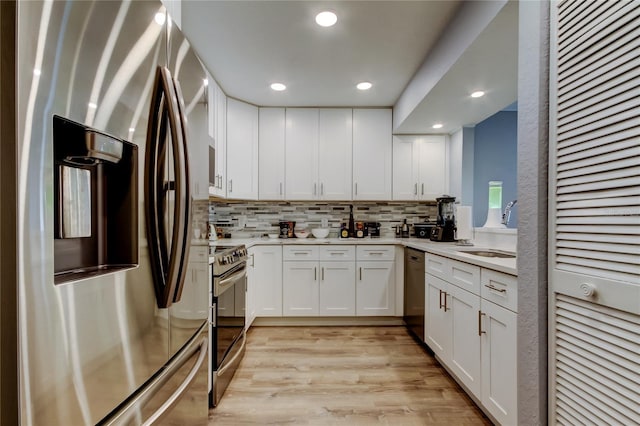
x: 490, y: 253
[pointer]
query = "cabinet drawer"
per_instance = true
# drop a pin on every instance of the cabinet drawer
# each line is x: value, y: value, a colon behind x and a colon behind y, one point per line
x: 437, y: 266
x: 300, y: 252
x: 464, y: 275
x: 502, y: 289
x: 347, y: 253
x: 199, y: 254
x: 375, y: 253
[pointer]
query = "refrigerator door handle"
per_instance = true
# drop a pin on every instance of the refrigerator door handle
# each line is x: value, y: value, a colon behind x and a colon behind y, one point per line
x: 168, y: 245
x: 132, y: 407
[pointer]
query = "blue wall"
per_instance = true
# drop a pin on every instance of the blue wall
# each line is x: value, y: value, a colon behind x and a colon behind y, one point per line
x: 495, y: 158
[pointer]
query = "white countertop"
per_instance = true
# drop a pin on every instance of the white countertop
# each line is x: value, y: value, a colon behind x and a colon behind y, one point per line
x: 450, y: 250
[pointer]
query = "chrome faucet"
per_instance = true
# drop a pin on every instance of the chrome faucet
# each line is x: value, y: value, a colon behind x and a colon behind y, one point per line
x: 507, y: 212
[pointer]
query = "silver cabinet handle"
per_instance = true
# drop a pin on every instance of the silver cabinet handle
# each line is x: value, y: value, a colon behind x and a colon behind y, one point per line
x: 253, y: 260
x: 322, y: 271
x: 480, y: 332
x: 315, y: 273
x: 314, y: 188
x: 422, y: 192
x: 361, y: 273
x: 415, y: 189
x: 230, y: 185
x: 280, y: 188
x: 446, y: 308
x: 356, y: 184
x: 321, y: 188
x: 440, y: 301
x: 491, y: 287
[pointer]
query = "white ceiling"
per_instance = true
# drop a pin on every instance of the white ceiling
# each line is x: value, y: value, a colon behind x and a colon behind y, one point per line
x: 247, y: 45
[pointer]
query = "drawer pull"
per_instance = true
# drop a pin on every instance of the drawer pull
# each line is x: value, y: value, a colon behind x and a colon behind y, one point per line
x: 491, y: 287
x: 376, y: 253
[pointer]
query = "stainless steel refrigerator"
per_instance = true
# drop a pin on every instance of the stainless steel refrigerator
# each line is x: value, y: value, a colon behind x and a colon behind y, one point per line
x: 95, y: 217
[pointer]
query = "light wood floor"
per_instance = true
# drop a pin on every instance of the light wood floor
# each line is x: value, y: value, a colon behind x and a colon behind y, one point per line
x: 341, y: 375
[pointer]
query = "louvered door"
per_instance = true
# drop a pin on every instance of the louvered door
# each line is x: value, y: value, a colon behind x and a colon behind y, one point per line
x: 594, y: 213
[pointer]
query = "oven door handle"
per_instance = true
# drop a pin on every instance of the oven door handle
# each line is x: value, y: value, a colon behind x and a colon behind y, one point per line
x: 227, y: 282
x: 224, y: 368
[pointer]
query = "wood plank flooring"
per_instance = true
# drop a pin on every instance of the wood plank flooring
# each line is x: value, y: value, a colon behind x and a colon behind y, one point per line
x: 341, y: 375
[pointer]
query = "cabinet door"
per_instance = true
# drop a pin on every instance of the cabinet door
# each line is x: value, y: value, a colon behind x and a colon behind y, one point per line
x: 266, y: 281
x: 196, y: 283
x: 334, y: 154
x: 242, y: 150
x: 211, y: 107
x: 433, y: 175
x: 405, y: 183
x: 250, y: 297
x: 301, y: 153
x: 271, y: 154
x: 337, y: 288
x: 465, y: 337
x: 300, y: 289
x: 372, y: 148
x: 375, y: 289
x: 499, y: 361
x: 219, y: 139
x: 438, y: 319
x: 198, y: 146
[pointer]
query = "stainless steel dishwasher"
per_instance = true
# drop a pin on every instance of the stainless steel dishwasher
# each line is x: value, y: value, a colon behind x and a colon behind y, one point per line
x: 414, y: 292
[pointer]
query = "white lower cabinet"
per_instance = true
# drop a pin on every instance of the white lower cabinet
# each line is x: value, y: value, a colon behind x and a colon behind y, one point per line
x: 474, y: 337
x: 191, y: 304
x: 300, y: 288
x: 264, y: 295
x: 313, y: 286
x: 375, y: 281
x: 337, y: 288
x: 499, y: 367
x: 375, y: 288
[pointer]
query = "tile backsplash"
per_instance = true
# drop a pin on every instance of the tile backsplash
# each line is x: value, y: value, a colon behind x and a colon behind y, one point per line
x: 252, y: 219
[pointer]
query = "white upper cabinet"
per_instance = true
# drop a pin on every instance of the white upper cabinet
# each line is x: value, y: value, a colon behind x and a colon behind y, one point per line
x: 198, y: 151
x: 218, y: 130
x: 318, y: 154
x: 242, y: 150
x: 372, y: 149
x: 420, y: 168
x: 301, y: 153
x: 334, y: 154
x: 271, y: 153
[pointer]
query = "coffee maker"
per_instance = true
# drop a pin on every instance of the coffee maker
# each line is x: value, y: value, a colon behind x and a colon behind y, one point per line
x: 445, y: 228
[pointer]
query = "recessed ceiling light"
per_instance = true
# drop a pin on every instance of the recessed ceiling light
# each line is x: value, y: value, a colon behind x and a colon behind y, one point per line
x: 132, y: 129
x: 278, y: 87
x: 365, y: 85
x: 437, y: 126
x: 160, y: 18
x: 477, y: 94
x: 37, y: 72
x: 326, y: 18
x: 92, y: 105
x: 205, y: 82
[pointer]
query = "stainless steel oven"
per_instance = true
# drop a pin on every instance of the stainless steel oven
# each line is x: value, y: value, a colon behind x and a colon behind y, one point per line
x: 227, y: 332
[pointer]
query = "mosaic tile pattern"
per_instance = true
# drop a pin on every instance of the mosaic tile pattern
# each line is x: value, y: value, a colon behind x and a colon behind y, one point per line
x: 262, y: 217
x: 200, y: 215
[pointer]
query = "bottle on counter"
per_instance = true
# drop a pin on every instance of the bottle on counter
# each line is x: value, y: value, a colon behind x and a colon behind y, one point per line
x: 344, y: 231
x: 352, y: 226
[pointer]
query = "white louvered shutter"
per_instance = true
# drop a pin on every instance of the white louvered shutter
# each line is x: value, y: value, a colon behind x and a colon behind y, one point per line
x: 594, y: 213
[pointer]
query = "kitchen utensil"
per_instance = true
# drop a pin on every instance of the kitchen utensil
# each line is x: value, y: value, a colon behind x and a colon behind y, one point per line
x: 287, y: 228
x: 301, y: 233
